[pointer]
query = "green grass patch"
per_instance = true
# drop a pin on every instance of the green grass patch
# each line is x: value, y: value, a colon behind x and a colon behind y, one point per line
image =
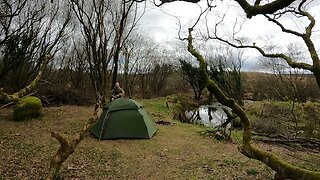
x: 252, y: 171
x: 114, y: 156
x: 236, y: 136
x: 157, y: 108
x: 155, y: 105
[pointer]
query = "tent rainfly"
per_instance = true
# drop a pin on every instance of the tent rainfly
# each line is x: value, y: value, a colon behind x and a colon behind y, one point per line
x: 124, y: 118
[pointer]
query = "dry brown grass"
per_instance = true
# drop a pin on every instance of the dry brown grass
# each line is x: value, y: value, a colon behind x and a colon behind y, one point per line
x: 175, y: 152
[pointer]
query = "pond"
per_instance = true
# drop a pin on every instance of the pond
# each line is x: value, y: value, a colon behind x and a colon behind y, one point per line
x: 209, y: 115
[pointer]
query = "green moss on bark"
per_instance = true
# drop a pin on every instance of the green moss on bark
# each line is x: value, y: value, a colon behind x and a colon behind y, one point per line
x: 283, y: 169
x: 27, y: 107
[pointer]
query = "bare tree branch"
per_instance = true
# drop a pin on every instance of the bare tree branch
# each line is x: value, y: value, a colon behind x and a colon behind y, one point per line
x: 269, y: 8
x: 288, y: 59
x: 289, y: 31
x: 250, y: 10
x: 283, y: 169
x: 305, y: 36
x: 68, y: 147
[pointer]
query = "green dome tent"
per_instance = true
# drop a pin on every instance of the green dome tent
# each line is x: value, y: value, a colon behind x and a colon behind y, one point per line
x: 124, y: 118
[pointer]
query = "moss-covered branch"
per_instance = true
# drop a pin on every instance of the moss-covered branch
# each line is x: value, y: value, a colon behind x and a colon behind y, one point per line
x: 6, y: 98
x: 306, y: 36
x: 314, y: 67
x: 68, y: 147
x: 283, y: 169
x: 291, y: 62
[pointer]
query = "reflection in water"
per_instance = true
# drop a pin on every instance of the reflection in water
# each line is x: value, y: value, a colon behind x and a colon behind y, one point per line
x: 209, y: 115
x: 210, y: 109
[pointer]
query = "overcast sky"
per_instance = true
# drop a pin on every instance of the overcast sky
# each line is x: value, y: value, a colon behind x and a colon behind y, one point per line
x: 160, y: 24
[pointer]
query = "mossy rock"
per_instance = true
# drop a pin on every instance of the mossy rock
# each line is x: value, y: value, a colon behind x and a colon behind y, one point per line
x: 27, y: 107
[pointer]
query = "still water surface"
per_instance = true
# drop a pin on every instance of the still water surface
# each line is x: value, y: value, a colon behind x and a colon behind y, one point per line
x: 209, y: 115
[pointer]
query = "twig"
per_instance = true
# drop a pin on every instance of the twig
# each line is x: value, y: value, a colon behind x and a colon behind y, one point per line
x: 7, y: 104
x: 12, y: 102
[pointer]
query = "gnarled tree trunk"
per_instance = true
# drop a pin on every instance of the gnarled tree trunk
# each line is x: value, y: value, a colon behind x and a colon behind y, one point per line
x: 68, y: 147
x: 283, y: 169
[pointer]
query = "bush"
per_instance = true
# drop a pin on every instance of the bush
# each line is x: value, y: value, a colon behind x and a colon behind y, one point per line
x: 270, y: 125
x: 60, y: 95
x: 27, y: 107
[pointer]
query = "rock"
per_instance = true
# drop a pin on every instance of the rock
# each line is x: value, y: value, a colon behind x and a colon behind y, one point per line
x: 27, y: 107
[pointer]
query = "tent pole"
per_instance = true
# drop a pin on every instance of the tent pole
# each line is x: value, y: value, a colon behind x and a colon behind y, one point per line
x: 103, y: 123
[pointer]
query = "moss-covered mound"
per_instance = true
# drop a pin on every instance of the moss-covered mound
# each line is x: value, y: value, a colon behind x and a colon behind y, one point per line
x: 27, y: 107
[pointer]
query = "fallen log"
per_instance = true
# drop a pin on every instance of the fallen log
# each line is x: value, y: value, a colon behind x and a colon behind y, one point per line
x: 309, y: 143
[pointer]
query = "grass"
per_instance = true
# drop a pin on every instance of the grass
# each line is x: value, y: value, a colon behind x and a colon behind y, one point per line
x: 277, y: 116
x: 252, y: 171
x: 177, y: 151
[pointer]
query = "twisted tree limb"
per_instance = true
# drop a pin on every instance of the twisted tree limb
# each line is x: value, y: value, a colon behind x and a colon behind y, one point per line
x: 269, y: 8
x: 7, y: 98
x: 283, y: 169
x: 250, y: 10
x: 314, y: 67
x: 68, y: 147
